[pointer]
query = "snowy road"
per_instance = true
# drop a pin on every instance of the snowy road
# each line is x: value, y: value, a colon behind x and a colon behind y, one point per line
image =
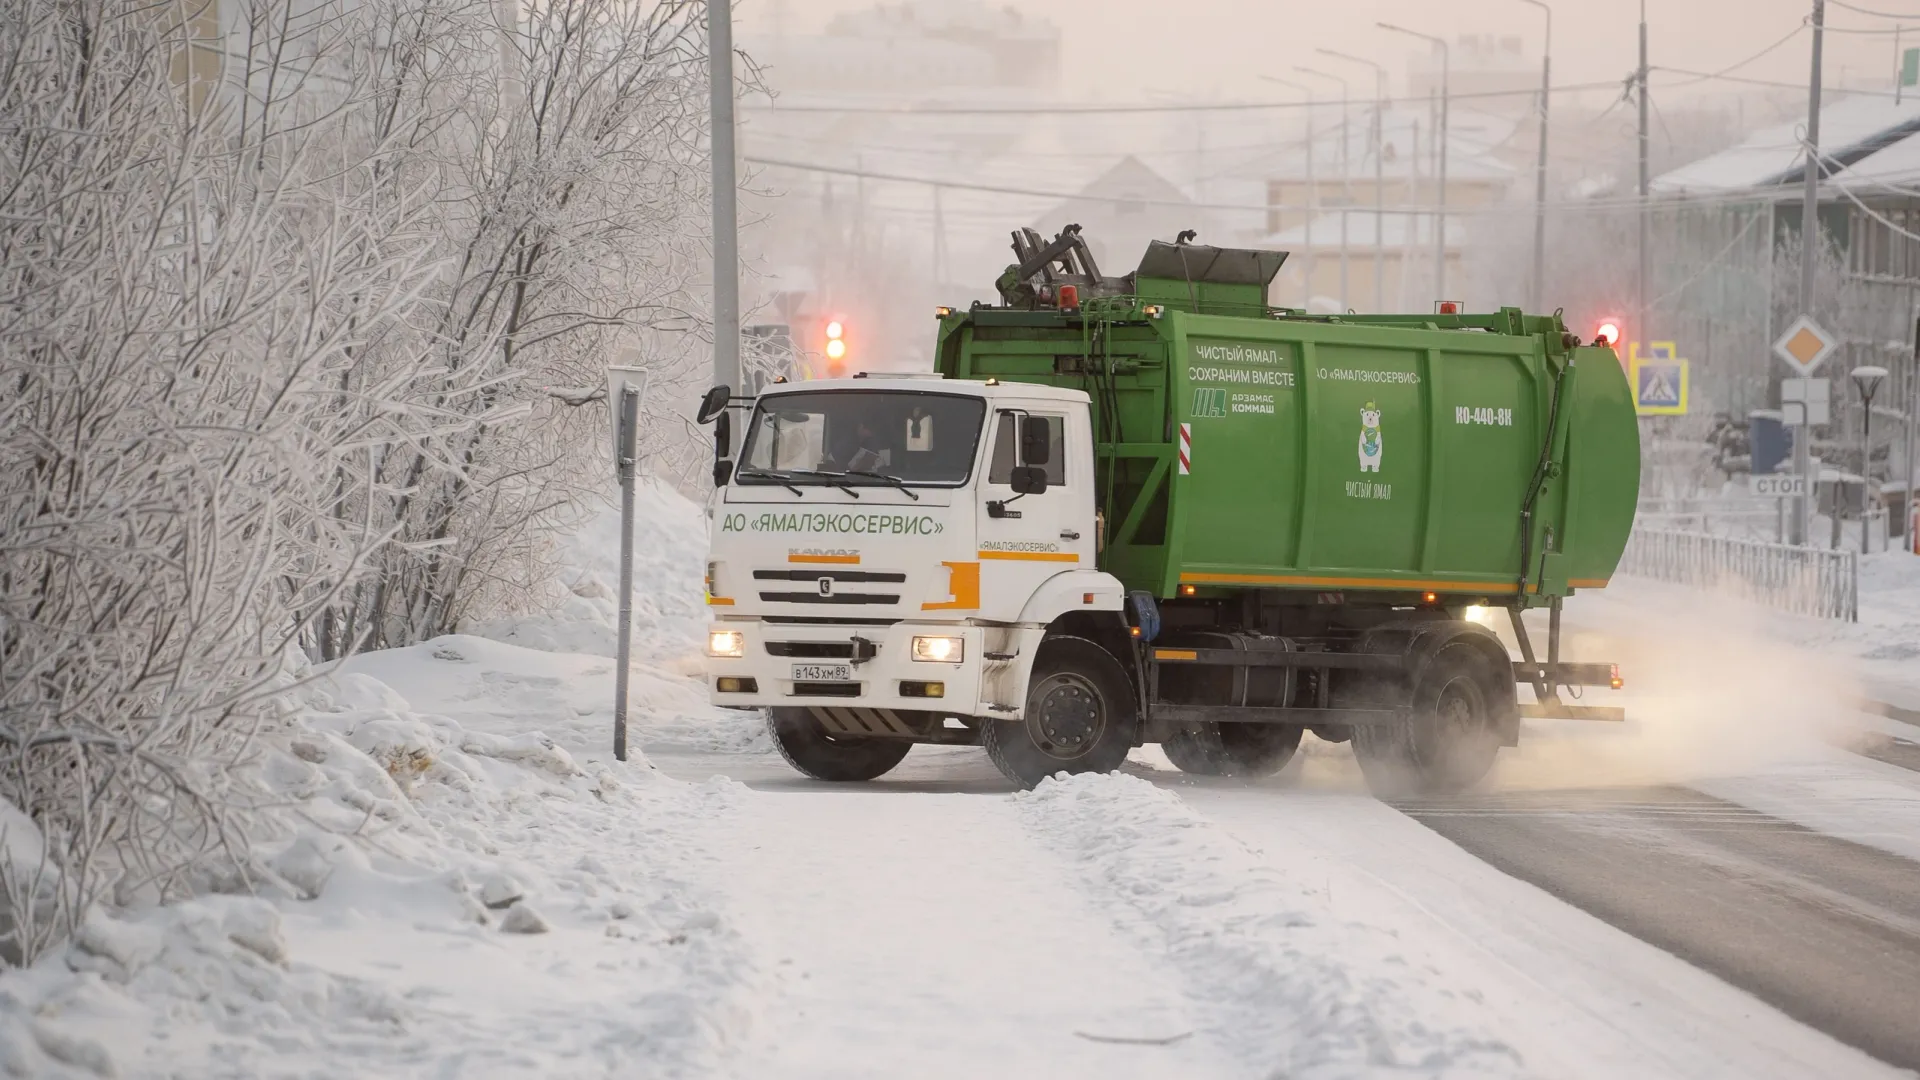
x: 1825, y: 929
x: 1299, y: 927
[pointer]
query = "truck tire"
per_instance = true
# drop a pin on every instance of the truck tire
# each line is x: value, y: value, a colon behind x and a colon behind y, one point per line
x: 840, y: 759
x: 1079, y: 717
x: 1452, y: 738
x: 1248, y: 750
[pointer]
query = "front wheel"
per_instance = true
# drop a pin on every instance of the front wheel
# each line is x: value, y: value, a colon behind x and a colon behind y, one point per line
x: 840, y: 758
x: 1079, y: 716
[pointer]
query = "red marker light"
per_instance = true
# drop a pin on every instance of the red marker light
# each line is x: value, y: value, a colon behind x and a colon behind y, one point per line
x: 1607, y: 333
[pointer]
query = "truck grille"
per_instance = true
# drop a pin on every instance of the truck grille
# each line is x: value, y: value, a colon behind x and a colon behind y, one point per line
x: 811, y: 650
x: 836, y: 598
x: 836, y: 575
x: 826, y: 689
x: 827, y: 585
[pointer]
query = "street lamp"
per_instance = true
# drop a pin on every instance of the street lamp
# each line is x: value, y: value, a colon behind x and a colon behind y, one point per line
x: 1867, y: 378
x: 1540, y: 179
x: 1379, y: 171
x: 1313, y: 190
x: 1346, y: 173
x: 1440, y: 228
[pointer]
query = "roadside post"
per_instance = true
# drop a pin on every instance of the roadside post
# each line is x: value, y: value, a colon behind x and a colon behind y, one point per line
x: 625, y: 387
x: 1805, y: 346
x: 1866, y: 379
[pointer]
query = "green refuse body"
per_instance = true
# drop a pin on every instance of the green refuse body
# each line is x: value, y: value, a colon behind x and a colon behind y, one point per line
x: 1477, y: 457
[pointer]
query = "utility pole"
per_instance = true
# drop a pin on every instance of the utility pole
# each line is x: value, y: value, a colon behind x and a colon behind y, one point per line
x: 1346, y: 175
x: 1809, y: 240
x: 1440, y: 136
x: 1379, y: 173
x: 726, y: 213
x: 1537, y: 293
x: 1640, y: 326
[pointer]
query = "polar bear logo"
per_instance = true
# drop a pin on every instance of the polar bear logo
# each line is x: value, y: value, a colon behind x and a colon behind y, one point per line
x: 1370, y: 444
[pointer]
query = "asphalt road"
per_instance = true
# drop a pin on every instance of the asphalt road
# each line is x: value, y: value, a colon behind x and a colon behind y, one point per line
x: 1825, y: 930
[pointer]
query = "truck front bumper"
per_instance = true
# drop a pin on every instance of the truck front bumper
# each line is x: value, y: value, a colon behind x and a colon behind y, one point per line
x: 799, y: 665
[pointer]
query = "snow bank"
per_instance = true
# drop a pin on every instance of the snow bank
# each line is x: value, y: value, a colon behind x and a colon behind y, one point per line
x: 1292, y: 986
x: 669, y: 565
x: 459, y: 881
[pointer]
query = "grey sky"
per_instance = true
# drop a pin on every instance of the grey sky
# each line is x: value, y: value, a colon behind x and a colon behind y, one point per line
x: 1123, y: 48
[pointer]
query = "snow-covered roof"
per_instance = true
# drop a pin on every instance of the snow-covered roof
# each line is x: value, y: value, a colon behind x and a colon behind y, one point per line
x: 1897, y: 164
x: 1852, y: 130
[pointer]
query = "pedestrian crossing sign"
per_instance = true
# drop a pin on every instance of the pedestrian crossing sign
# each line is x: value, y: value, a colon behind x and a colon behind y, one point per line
x: 1659, y: 381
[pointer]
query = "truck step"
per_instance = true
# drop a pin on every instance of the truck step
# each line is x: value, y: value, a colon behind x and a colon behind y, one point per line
x: 1003, y: 708
x: 1000, y: 657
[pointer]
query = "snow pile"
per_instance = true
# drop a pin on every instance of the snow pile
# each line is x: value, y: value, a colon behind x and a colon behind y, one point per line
x: 462, y: 883
x: 669, y: 567
x: 1292, y: 986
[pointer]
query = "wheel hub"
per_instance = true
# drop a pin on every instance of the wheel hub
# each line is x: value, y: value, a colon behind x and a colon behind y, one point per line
x: 1067, y: 717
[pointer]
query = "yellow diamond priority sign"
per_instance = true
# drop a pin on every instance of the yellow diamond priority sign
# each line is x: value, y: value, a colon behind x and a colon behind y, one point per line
x: 1805, y: 345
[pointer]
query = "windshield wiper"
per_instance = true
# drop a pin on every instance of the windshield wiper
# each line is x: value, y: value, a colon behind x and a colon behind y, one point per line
x: 829, y: 477
x: 894, y: 480
x: 780, y: 478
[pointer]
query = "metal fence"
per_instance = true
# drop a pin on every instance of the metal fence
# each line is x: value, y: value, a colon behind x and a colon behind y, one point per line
x: 1807, y: 581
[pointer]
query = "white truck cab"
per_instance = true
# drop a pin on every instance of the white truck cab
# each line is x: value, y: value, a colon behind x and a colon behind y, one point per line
x: 887, y: 555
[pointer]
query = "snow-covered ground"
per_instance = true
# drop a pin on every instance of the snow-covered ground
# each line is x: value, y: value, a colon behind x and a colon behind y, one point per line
x: 464, y: 883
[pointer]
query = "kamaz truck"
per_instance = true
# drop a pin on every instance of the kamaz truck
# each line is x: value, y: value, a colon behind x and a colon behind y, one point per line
x: 1155, y: 509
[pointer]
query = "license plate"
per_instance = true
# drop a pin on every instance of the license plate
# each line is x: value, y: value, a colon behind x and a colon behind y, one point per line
x: 823, y: 673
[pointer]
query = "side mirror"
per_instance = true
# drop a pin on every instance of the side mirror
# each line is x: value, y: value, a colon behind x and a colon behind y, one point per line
x: 1036, y: 440
x: 714, y: 404
x: 722, y: 472
x: 1028, y: 480
x: 723, y: 436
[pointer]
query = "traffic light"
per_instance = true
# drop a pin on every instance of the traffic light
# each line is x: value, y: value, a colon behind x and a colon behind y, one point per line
x: 1606, y: 332
x: 836, y: 347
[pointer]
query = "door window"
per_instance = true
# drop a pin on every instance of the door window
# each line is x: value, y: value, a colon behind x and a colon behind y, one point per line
x: 1007, y: 434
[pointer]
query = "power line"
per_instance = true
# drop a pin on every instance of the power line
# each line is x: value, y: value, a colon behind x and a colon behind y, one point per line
x: 1875, y: 14
x: 1740, y: 195
x: 1756, y: 82
x: 1079, y: 110
x: 1791, y: 34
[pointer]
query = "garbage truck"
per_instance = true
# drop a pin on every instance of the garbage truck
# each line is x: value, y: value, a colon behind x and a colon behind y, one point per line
x: 1154, y: 508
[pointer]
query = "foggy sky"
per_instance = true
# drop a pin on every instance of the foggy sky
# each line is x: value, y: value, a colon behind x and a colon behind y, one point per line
x: 1121, y: 49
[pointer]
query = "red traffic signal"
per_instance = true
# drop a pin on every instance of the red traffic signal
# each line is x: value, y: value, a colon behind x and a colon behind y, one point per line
x: 836, y: 346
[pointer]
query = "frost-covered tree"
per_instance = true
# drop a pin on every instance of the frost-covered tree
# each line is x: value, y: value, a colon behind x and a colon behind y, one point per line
x: 290, y: 294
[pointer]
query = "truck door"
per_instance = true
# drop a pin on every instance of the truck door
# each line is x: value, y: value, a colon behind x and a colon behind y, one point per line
x: 1027, y: 538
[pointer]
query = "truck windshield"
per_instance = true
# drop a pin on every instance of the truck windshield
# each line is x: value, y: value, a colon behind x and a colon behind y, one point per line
x: 877, y: 437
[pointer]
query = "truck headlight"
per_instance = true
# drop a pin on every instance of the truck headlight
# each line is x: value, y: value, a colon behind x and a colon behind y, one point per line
x: 725, y: 643
x: 939, y: 650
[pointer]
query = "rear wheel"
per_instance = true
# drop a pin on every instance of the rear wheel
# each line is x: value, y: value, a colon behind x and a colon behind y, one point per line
x: 1450, y: 741
x: 1079, y: 716
x: 840, y: 758
x: 1233, y: 749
